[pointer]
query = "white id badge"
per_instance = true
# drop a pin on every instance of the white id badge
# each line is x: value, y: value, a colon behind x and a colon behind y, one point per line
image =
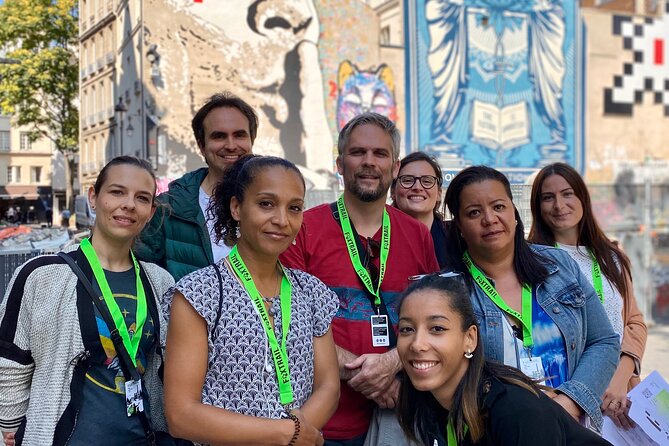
x: 133, y: 397
x: 533, y: 368
x: 380, y: 337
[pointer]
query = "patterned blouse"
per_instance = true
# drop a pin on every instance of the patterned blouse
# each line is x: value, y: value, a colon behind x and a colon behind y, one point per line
x: 241, y: 376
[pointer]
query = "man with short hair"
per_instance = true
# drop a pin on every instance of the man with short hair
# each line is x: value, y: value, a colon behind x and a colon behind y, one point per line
x: 180, y: 236
x: 365, y: 251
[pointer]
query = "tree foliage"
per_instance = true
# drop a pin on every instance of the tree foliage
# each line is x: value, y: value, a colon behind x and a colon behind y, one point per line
x: 39, y: 87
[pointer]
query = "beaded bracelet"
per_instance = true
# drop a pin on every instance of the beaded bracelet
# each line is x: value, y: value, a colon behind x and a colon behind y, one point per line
x: 297, y: 429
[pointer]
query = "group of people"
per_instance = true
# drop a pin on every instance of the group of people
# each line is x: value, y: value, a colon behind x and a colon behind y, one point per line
x: 351, y: 323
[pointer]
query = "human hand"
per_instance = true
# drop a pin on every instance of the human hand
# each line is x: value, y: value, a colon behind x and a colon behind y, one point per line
x: 550, y: 394
x: 615, y: 404
x: 618, y: 412
x: 568, y: 405
x: 8, y: 438
x: 309, y: 435
x: 388, y: 399
x: 377, y: 372
x: 345, y: 357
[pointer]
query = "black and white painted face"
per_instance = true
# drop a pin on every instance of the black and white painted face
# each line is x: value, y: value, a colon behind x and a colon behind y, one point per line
x: 269, y: 57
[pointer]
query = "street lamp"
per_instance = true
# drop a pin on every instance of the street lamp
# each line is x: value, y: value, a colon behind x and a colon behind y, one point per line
x: 130, y: 129
x: 120, y: 108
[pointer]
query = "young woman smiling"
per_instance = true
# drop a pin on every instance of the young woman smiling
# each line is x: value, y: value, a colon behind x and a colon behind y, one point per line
x: 562, y: 216
x: 67, y: 370
x: 451, y: 396
x: 535, y: 308
x: 250, y: 355
x: 417, y: 192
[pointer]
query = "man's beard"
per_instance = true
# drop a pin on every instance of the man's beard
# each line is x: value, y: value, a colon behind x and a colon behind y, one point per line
x: 366, y: 195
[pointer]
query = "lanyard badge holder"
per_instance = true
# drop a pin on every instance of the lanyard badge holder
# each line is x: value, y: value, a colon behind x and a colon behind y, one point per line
x: 134, y: 400
x: 124, y: 341
x: 531, y: 366
x: 380, y: 330
x: 130, y: 340
x: 380, y: 324
x: 279, y: 351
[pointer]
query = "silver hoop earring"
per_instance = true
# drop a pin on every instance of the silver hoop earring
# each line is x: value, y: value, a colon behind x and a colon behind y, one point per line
x: 469, y: 354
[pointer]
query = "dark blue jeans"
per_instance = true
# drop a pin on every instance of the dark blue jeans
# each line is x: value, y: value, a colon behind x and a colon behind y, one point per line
x: 357, y: 441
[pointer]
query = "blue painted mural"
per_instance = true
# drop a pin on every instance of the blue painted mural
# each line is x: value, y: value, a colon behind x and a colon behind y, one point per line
x: 495, y: 82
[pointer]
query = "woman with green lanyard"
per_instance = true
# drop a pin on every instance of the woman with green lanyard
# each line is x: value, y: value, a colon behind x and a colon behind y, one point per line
x: 250, y: 355
x: 450, y: 395
x: 536, y: 310
x: 80, y: 331
x: 562, y: 217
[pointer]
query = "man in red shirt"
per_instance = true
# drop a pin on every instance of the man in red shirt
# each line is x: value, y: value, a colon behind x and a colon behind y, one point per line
x: 365, y: 251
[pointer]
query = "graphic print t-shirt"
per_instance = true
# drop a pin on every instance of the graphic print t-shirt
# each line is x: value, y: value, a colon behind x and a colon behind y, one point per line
x: 548, y: 345
x: 102, y: 418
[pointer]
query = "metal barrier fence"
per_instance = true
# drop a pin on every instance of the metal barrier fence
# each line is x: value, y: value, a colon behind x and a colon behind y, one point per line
x: 10, y: 260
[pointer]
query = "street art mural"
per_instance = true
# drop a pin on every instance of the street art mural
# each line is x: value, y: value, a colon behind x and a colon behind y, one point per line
x: 282, y: 56
x: 496, y: 83
x: 648, y: 40
x: 364, y: 91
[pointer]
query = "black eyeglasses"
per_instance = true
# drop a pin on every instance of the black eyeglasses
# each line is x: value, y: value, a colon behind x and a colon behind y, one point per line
x: 373, y: 252
x: 446, y: 275
x: 427, y: 181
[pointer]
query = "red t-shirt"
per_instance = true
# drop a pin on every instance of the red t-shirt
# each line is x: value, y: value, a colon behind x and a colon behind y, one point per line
x: 321, y: 251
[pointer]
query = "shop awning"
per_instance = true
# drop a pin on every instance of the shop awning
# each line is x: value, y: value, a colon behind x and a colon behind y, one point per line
x: 29, y: 192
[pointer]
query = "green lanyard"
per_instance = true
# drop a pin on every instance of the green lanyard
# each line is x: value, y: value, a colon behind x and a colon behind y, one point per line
x: 526, y: 303
x: 450, y: 434
x: 131, y: 343
x: 353, y: 253
x: 279, y: 352
x: 596, y: 276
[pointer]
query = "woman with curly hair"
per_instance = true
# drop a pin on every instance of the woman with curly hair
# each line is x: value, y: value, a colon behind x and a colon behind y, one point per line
x: 250, y: 355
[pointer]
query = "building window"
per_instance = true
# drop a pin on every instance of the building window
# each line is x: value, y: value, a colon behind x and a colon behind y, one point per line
x: 4, y: 141
x: 35, y: 174
x: 25, y: 143
x: 384, y: 36
x: 13, y: 174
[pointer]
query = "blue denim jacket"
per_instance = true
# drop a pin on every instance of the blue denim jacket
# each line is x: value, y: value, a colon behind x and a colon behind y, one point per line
x: 593, y: 348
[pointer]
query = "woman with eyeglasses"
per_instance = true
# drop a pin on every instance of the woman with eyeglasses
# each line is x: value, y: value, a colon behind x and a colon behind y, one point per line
x: 417, y: 192
x: 250, y: 355
x: 535, y: 308
x: 562, y: 217
x: 450, y: 395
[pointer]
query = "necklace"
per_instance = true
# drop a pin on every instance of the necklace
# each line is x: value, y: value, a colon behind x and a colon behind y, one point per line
x: 270, y: 300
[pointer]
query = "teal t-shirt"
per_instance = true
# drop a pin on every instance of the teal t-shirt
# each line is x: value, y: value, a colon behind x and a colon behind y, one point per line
x: 102, y: 418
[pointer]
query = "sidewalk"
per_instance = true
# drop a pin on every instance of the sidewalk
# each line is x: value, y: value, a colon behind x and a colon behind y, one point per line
x: 656, y: 356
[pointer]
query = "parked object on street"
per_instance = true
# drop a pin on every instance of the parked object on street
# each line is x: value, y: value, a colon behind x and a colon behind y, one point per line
x: 83, y: 213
